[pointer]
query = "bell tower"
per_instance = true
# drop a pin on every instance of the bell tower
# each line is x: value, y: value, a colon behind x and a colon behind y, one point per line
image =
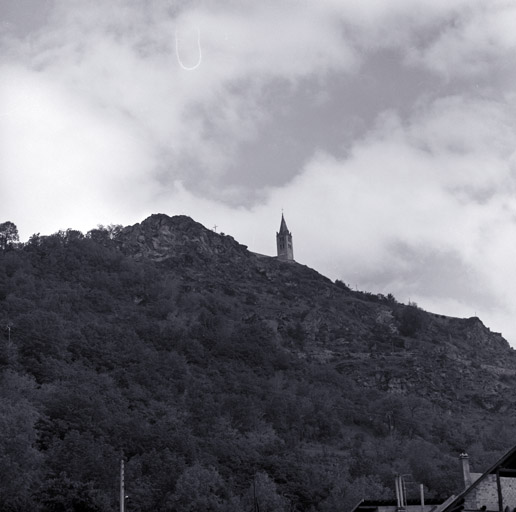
x: 284, y: 242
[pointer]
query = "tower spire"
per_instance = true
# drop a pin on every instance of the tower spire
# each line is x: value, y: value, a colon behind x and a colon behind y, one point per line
x: 284, y: 241
x: 283, y: 226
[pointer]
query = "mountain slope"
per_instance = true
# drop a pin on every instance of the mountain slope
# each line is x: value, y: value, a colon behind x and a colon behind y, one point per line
x: 219, y: 374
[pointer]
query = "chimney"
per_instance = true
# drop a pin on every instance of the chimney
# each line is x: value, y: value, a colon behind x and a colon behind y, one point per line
x: 466, y: 475
x: 400, y: 493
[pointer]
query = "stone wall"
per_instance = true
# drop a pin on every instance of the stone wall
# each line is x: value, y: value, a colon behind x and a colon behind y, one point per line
x: 486, y: 494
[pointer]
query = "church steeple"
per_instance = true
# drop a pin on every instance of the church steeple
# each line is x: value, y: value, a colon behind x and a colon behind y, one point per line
x: 284, y: 242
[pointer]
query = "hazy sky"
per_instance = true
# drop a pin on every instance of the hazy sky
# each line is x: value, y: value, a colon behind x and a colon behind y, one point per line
x: 386, y: 131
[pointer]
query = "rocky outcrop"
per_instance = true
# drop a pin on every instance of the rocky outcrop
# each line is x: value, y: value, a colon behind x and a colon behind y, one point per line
x: 160, y: 237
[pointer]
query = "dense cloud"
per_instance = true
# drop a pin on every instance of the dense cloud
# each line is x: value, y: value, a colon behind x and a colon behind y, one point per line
x: 385, y: 130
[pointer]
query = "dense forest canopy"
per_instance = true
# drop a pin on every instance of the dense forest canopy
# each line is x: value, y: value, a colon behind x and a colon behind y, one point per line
x: 224, y: 379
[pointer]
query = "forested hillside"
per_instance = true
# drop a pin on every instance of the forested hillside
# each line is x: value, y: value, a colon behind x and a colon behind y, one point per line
x: 223, y: 377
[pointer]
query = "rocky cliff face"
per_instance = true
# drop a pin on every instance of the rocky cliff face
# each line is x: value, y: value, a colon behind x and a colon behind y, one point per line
x: 161, y: 237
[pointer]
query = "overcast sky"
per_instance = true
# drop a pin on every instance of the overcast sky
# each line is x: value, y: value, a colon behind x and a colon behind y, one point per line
x: 386, y: 131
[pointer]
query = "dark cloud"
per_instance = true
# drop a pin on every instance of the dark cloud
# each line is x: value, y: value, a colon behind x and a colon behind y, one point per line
x: 24, y: 16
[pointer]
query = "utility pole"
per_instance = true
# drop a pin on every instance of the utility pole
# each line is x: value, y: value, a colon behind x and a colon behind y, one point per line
x: 122, y: 486
x: 9, y: 347
x: 256, y: 506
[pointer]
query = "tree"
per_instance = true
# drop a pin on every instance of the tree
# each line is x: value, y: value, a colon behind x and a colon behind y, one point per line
x: 103, y: 234
x: 345, y: 493
x: 411, y: 320
x: 200, y: 488
x: 20, y: 461
x: 8, y: 235
x: 263, y: 495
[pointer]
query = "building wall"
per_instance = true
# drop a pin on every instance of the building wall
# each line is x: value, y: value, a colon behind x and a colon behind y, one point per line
x: 486, y: 494
x: 408, y: 508
x: 285, y: 247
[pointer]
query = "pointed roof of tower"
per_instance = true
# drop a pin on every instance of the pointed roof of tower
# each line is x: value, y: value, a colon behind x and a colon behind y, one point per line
x: 283, y: 226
